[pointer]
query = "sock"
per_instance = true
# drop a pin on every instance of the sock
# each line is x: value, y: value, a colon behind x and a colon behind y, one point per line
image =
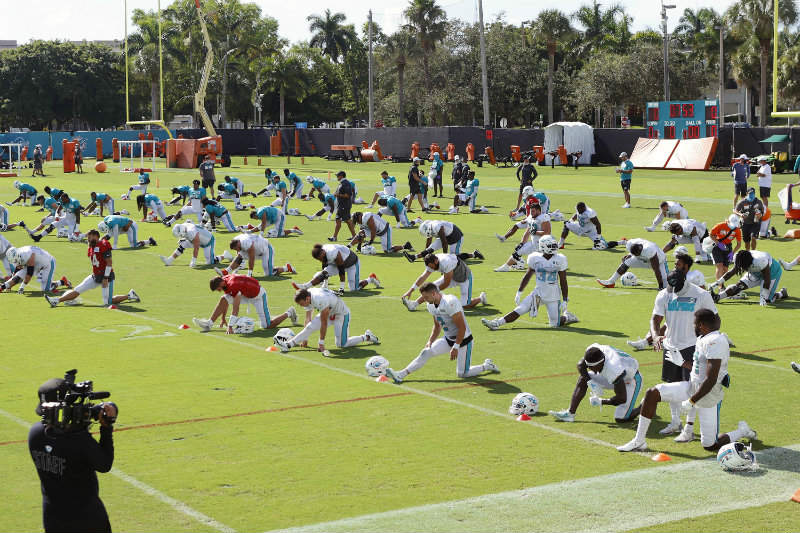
x: 500, y: 321
x: 561, y: 242
x: 641, y: 429
x: 735, y: 435
x: 614, y: 276
x: 690, y: 416
x: 793, y: 263
x: 354, y: 341
x: 675, y: 412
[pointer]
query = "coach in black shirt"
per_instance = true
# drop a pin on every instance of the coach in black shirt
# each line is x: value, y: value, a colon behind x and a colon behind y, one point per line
x: 344, y: 202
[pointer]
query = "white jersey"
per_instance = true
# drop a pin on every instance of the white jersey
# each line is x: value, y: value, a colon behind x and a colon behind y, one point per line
x: 761, y: 260
x: 695, y: 277
x: 4, y: 245
x: 676, y: 210
x: 711, y: 346
x: 324, y: 299
x: 687, y: 225
x: 259, y: 244
x: 585, y: 219
x: 535, y: 223
x: 548, y: 286
x: 380, y: 224
x: 449, y: 307
x: 42, y: 259
x: 447, y: 263
x: 439, y: 224
x: 193, y: 231
x: 678, y: 310
x: 617, y: 364
x: 332, y: 250
x: 649, y: 250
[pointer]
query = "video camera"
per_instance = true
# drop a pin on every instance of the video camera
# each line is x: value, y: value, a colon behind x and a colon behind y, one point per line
x: 72, y: 408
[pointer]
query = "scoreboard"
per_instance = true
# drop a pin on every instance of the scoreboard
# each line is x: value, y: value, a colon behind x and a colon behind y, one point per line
x: 689, y: 119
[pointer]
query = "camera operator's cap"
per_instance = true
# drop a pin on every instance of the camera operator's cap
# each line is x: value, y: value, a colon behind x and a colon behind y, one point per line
x: 341, y: 173
x: 457, y: 157
x: 762, y: 158
x: 743, y: 156
x: 623, y: 154
x: 49, y: 392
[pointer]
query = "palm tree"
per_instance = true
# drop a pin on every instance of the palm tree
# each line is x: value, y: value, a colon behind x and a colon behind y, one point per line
x: 330, y: 35
x: 399, y: 46
x: 553, y: 27
x: 286, y: 74
x: 755, y: 18
x: 429, y: 22
x: 745, y: 69
x: 601, y: 26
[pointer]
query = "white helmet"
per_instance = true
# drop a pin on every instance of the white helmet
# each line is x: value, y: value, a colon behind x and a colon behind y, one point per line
x: 734, y: 221
x: 376, y: 366
x: 548, y: 244
x: 12, y: 255
x: 736, y: 456
x: 457, y: 158
x: 527, y: 191
x: 102, y: 227
x: 310, y: 179
x: 17, y: 184
x: 682, y: 250
x: 708, y: 245
x: 368, y: 249
x: 272, y: 233
x: 244, y: 325
x: 427, y: 229
x: 179, y: 231
x: 524, y: 403
x: 629, y: 279
x: 666, y: 224
x: 283, y: 336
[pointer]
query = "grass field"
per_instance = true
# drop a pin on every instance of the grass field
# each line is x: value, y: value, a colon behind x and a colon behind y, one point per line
x: 217, y: 434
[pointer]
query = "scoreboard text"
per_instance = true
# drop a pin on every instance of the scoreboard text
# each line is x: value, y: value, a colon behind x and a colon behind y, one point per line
x: 682, y: 120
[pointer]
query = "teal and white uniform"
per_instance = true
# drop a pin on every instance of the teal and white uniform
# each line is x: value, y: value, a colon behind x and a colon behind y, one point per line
x: 230, y: 192
x: 754, y: 277
x: 261, y: 248
x: 53, y: 206
x: 56, y: 193
x: 3, y: 217
x: 238, y: 185
x: 338, y: 319
x: 281, y: 192
x: 548, y: 287
x: 206, y: 241
x: 320, y: 185
x: 44, y: 266
x: 195, y: 204
x: 649, y: 250
x: 383, y: 230
x: 328, y: 202
x: 470, y: 195
x: 582, y: 225
x: 389, y: 184
x: 4, y: 246
x: 105, y: 200
x: 296, y: 185
x: 618, y: 365
x: 154, y: 203
x: 116, y: 225
x: 395, y: 208
x: 544, y: 201
x: 462, y: 275
x: 143, y: 182
x: 71, y: 210
x: 221, y: 214
x: 27, y: 191
x: 273, y: 216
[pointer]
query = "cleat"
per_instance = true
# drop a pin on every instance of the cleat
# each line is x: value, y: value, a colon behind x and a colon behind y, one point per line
x: 290, y: 269
x: 640, y: 344
x: 391, y: 374
x: 784, y: 293
x: 670, y: 429
x: 633, y: 446
x: 36, y: 238
x: 151, y: 241
x: 371, y: 337
x: 649, y: 228
x: 408, y: 246
x: 227, y: 256
x: 607, y: 283
x: 76, y: 301
x: 491, y: 324
x: 21, y: 224
x: 489, y: 365
x: 408, y: 256
x: 411, y: 305
x: 52, y: 300
x: 500, y: 238
x: 569, y: 318
x: 375, y: 281
x: 331, y: 239
x: 503, y: 268
x: 626, y: 205
x: 749, y: 433
x: 220, y: 271
x: 477, y: 255
x: 203, y: 323
x: 561, y: 247
x: 165, y: 260
x: 796, y: 367
x: 483, y: 298
x: 785, y: 264
x: 297, y: 230
x: 563, y: 416
x: 309, y: 217
x: 133, y: 297
x: 66, y: 282
x: 686, y: 434
x: 292, y: 314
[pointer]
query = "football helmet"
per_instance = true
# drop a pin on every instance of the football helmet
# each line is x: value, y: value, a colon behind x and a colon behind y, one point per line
x: 309, y: 179
x: 17, y: 184
x: 376, y: 366
x: 629, y: 279
x: 12, y: 255
x: 524, y: 403
x: 600, y: 244
x: 736, y: 456
x: 282, y: 337
x: 368, y: 249
x: 102, y: 227
x: 734, y: 221
x: 427, y: 229
x: 272, y: 233
x: 666, y: 224
x: 179, y: 231
x: 62, y: 232
x: 244, y: 325
x: 527, y: 191
x: 548, y: 244
x: 681, y: 250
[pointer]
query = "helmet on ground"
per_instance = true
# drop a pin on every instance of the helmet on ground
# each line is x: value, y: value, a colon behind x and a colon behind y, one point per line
x: 734, y: 221
x: 708, y: 245
x: 102, y: 227
x: 272, y: 233
x: 376, y: 366
x: 283, y: 336
x: 736, y: 456
x: 243, y: 325
x: 12, y: 255
x: 527, y: 191
x: 548, y: 244
x: 309, y: 179
x: 524, y: 403
x: 600, y: 244
x: 368, y: 249
x: 681, y: 250
x: 427, y: 229
x: 629, y: 279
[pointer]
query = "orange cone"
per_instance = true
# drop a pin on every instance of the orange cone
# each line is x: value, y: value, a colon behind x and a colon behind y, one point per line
x: 381, y: 379
x: 271, y: 349
x: 183, y: 326
x: 523, y: 417
x: 661, y: 457
x: 796, y: 496
x: 112, y: 306
x: 245, y: 160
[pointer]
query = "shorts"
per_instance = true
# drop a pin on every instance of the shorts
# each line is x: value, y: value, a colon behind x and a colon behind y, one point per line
x: 671, y: 373
x: 589, y: 230
x: 531, y: 305
x: 763, y: 192
x: 633, y: 388
x: 752, y: 279
x: 721, y: 256
x: 343, y: 214
x: 464, y: 288
x: 438, y: 180
x: 625, y: 184
x: 208, y: 183
x: 414, y: 189
x: 750, y: 231
x: 740, y: 189
x: 708, y: 416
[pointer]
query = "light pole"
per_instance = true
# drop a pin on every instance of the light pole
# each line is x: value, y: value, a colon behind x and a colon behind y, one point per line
x: 484, y: 78
x: 371, y: 97
x: 721, y: 102
x: 664, y: 8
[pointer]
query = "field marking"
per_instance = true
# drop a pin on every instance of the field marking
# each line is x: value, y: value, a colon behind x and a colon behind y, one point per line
x: 609, y: 502
x: 617, y: 195
x: 147, y: 489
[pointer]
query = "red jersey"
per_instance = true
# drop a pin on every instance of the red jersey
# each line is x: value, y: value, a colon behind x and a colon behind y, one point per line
x: 235, y: 284
x: 98, y: 255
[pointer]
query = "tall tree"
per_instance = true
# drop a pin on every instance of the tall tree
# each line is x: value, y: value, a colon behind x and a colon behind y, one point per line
x: 755, y: 18
x: 330, y: 34
x: 553, y: 28
x: 604, y: 29
x: 399, y: 48
x: 287, y: 76
x: 429, y: 22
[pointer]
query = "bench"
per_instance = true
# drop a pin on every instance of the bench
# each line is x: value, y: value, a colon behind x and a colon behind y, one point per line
x: 350, y: 151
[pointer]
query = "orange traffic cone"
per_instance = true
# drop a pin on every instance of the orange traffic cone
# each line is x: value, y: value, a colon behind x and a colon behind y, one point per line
x: 796, y: 496
x: 523, y: 417
x: 183, y: 326
x: 112, y: 306
x: 381, y: 379
x: 271, y: 349
x: 661, y: 457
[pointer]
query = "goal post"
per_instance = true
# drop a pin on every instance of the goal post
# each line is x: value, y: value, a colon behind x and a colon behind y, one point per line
x: 132, y: 157
x: 8, y: 148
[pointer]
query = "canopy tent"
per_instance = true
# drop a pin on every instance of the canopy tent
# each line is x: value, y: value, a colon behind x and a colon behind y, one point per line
x: 776, y: 139
x: 575, y: 136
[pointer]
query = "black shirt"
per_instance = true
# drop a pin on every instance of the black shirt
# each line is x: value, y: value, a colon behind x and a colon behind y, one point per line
x: 528, y: 173
x: 748, y: 210
x: 344, y: 188
x: 412, y: 174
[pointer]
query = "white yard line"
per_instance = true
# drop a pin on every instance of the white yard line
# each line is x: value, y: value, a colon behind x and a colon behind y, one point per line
x: 147, y: 489
x: 611, y: 502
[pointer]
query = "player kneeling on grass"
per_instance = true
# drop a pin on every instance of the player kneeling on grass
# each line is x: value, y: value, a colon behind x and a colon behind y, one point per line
x: 372, y: 227
x: 145, y: 202
x: 449, y: 320
x: 255, y: 247
x: 709, y: 374
x: 30, y: 261
x: 538, y: 225
x: 688, y: 231
x: 643, y: 254
x: 181, y: 193
x: 113, y: 225
x: 394, y: 207
x: 102, y: 275
x: 668, y: 209
x: 271, y: 216
x: 332, y: 312
x: 26, y: 192
x: 602, y: 368
x: 341, y: 260
x: 328, y: 204
x: 194, y: 237
x: 240, y: 290
x: 444, y: 235
x: 454, y: 271
x: 143, y: 182
x: 550, y: 269
x: 468, y: 196
x: 102, y: 201
x: 217, y: 212
x: 584, y: 223
x: 755, y: 268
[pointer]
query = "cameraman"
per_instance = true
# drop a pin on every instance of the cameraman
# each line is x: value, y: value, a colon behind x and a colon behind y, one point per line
x: 66, y: 461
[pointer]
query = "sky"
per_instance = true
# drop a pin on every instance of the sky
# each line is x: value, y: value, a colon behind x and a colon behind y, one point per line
x: 104, y: 19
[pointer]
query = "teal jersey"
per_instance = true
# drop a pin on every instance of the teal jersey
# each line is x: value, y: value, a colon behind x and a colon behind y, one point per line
x: 280, y: 187
x: 73, y: 206
x: 216, y: 210
x: 393, y: 203
x: 99, y: 197
x: 438, y: 164
x: 318, y: 184
x: 542, y: 197
x: 328, y: 199
x: 52, y: 204
x: 118, y: 221
x: 234, y: 181
x: 293, y: 179
x: 270, y: 212
x: 183, y: 189
x: 24, y: 187
x: 627, y: 169
x: 55, y: 193
x: 144, y: 178
x: 472, y: 187
x: 197, y: 194
x: 151, y: 198
x: 388, y: 181
x: 229, y: 188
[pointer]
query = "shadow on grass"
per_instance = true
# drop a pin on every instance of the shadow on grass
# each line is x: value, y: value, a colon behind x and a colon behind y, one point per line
x: 492, y: 386
x: 481, y: 310
x: 750, y: 356
x: 572, y: 329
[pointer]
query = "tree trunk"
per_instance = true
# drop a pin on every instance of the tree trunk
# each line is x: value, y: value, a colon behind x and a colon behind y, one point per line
x: 282, y: 94
x: 154, y: 100
x: 762, y: 94
x: 401, y: 80
x: 550, y: 68
x: 425, y: 68
x: 222, y: 113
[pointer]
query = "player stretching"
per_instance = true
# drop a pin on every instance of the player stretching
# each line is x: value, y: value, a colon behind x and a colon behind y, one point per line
x: 606, y: 368
x: 100, y: 200
x: 33, y: 261
x: 687, y: 231
x: 26, y: 192
x: 709, y: 374
x: 341, y: 260
x: 254, y: 247
x: 454, y: 271
x: 643, y: 254
x: 538, y: 226
x: 271, y: 216
x: 755, y: 268
x: 392, y: 206
x: 332, y: 312
x: 144, y: 181
x: 449, y: 320
x: 115, y: 224
x: 317, y: 185
x: 668, y: 209
x: 328, y: 204
x: 373, y: 227
x: 194, y: 237
x: 550, y: 269
x: 584, y: 223
x: 442, y: 234
x: 181, y: 193
x: 389, y: 184
x: 102, y: 275
x: 48, y: 222
x: 153, y: 203
x: 216, y: 212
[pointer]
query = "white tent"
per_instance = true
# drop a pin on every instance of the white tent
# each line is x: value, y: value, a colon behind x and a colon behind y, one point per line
x: 575, y: 136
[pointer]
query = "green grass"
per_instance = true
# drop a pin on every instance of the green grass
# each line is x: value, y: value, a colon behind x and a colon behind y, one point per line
x: 319, y: 441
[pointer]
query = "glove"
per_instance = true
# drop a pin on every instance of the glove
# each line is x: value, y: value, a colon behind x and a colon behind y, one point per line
x: 517, y: 297
x: 674, y: 357
x: 595, y: 401
x: 686, y: 405
x: 721, y: 246
x: 22, y: 289
x: 340, y: 292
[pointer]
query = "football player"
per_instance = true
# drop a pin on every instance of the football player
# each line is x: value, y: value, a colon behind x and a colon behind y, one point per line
x: 755, y: 268
x: 100, y: 200
x: 26, y: 192
x: 704, y: 391
x: 194, y: 237
x: 268, y: 174
x: 4, y: 225
x: 143, y: 182
x: 151, y: 202
x: 538, y: 225
x: 272, y: 216
x: 584, y: 223
x: 468, y: 196
x: 4, y: 246
x: 333, y: 312
x: 392, y: 206
x: 228, y: 191
x: 668, y: 209
x: 216, y: 211
x: 281, y: 201
x: 102, y: 275
x: 295, y: 183
x: 72, y: 217
x: 606, y: 368
x: 328, y: 204
x: 252, y: 247
x: 317, y: 185
x: 30, y: 261
x: 373, y: 227
x: 686, y: 231
x: 448, y: 320
x: 442, y: 234
x: 239, y: 186
x: 643, y: 254
x: 454, y: 271
x: 113, y: 225
x: 341, y: 260
x: 240, y: 290
x: 48, y: 222
x: 195, y: 207
x: 389, y: 184
x: 788, y: 265
x: 181, y: 193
